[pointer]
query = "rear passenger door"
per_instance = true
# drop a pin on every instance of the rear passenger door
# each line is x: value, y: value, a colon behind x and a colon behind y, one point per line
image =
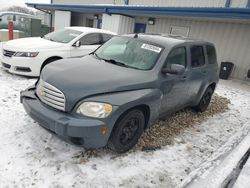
x: 198, y: 71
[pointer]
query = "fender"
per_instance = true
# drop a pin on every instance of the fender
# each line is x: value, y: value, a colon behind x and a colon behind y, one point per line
x: 202, y: 90
x: 125, y: 100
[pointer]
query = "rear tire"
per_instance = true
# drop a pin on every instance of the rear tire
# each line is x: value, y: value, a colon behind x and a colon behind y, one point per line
x: 205, y: 100
x: 127, y: 131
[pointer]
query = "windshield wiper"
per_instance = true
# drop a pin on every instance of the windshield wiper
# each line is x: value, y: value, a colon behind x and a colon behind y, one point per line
x: 113, y: 61
x: 53, y: 40
x: 116, y: 63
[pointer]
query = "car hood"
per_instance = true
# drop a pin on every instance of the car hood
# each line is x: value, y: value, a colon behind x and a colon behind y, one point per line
x: 31, y: 44
x: 80, y: 78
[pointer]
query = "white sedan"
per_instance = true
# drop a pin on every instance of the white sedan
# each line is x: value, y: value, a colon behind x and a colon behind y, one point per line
x: 28, y: 56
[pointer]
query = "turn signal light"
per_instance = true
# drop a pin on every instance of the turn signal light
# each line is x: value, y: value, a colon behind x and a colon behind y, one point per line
x: 104, y: 131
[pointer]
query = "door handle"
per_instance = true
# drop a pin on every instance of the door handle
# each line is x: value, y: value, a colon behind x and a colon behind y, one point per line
x: 183, y: 78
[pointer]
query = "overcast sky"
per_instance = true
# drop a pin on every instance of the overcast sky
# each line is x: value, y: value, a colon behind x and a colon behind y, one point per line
x: 7, y: 3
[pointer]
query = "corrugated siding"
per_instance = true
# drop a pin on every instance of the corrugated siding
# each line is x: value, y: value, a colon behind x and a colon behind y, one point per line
x: 180, y: 3
x: 171, y: 3
x: 232, y: 40
x: 87, y: 2
x: 111, y: 22
x: 126, y: 25
x: 239, y: 3
x: 118, y: 23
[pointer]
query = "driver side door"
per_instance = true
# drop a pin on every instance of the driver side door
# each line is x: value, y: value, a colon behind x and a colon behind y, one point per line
x: 89, y: 43
x: 175, y: 86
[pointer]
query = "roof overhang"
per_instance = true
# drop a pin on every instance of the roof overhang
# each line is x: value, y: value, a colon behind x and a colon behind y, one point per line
x: 227, y: 13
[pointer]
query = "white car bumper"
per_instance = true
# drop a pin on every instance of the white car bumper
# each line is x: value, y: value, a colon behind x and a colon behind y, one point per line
x: 22, y: 65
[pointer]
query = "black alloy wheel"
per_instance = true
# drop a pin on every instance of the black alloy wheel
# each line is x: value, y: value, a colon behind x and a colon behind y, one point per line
x: 127, y: 131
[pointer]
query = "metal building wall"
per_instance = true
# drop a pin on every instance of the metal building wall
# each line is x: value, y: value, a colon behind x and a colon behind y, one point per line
x: 111, y: 22
x: 232, y: 40
x: 118, y: 23
x: 62, y: 19
x: 171, y: 3
x: 180, y: 3
x: 239, y: 3
x: 126, y: 25
x: 87, y: 2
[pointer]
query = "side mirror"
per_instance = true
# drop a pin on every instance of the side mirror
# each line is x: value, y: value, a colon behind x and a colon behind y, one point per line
x: 0, y: 19
x: 77, y: 44
x: 174, y: 69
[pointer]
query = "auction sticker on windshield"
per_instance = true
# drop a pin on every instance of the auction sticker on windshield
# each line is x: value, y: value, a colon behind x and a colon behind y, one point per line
x: 151, y: 48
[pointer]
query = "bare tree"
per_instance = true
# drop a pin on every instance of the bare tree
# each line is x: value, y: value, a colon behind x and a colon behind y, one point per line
x: 19, y: 9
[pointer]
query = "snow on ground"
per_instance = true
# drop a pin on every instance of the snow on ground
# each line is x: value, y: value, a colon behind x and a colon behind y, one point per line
x: 224, y: 174
x: 243, y: 180
x: 32, y: 157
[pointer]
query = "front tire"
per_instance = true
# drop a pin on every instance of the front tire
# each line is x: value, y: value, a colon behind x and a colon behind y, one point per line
x: 205, y: 100
x: 127, y: 131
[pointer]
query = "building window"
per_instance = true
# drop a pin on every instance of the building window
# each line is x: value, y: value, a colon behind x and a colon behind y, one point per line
x: 89, y: 22
x: 179, y: 31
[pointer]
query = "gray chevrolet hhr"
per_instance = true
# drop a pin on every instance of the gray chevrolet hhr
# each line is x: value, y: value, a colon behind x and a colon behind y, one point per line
x: 110, y: 96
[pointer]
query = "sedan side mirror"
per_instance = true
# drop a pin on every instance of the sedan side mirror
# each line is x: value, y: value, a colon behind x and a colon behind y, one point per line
x: 174, y: 69
x: 77, y: 44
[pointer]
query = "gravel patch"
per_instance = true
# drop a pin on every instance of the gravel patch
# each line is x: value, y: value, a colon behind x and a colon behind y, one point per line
x: 164, y: 132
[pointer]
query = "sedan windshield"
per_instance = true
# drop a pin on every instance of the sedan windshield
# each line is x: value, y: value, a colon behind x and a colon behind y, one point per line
x: 63, y: 35
x: 129, y: 52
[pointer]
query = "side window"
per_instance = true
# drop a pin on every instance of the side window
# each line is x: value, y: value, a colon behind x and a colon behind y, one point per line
x: 9, y: 17
x: 197, y: 56
x: 177, y: 56
x: 211, y: 54
x: 106, y: 37
x: 91, y: 39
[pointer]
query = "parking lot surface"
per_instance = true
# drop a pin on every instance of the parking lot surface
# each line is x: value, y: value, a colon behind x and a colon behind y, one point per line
x: 33, y: 157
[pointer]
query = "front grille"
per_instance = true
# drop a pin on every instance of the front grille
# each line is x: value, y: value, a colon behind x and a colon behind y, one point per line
x: 8, y: 53
x: 50, y: 95
x: 23, y: 69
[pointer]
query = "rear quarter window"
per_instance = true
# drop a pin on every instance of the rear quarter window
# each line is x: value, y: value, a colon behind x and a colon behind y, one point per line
x: 211, y: 54
x: 91, y: 39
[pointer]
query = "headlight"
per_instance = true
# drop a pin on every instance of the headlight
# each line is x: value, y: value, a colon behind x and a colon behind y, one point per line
x: 26, y: 54
x: 95, y: 109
